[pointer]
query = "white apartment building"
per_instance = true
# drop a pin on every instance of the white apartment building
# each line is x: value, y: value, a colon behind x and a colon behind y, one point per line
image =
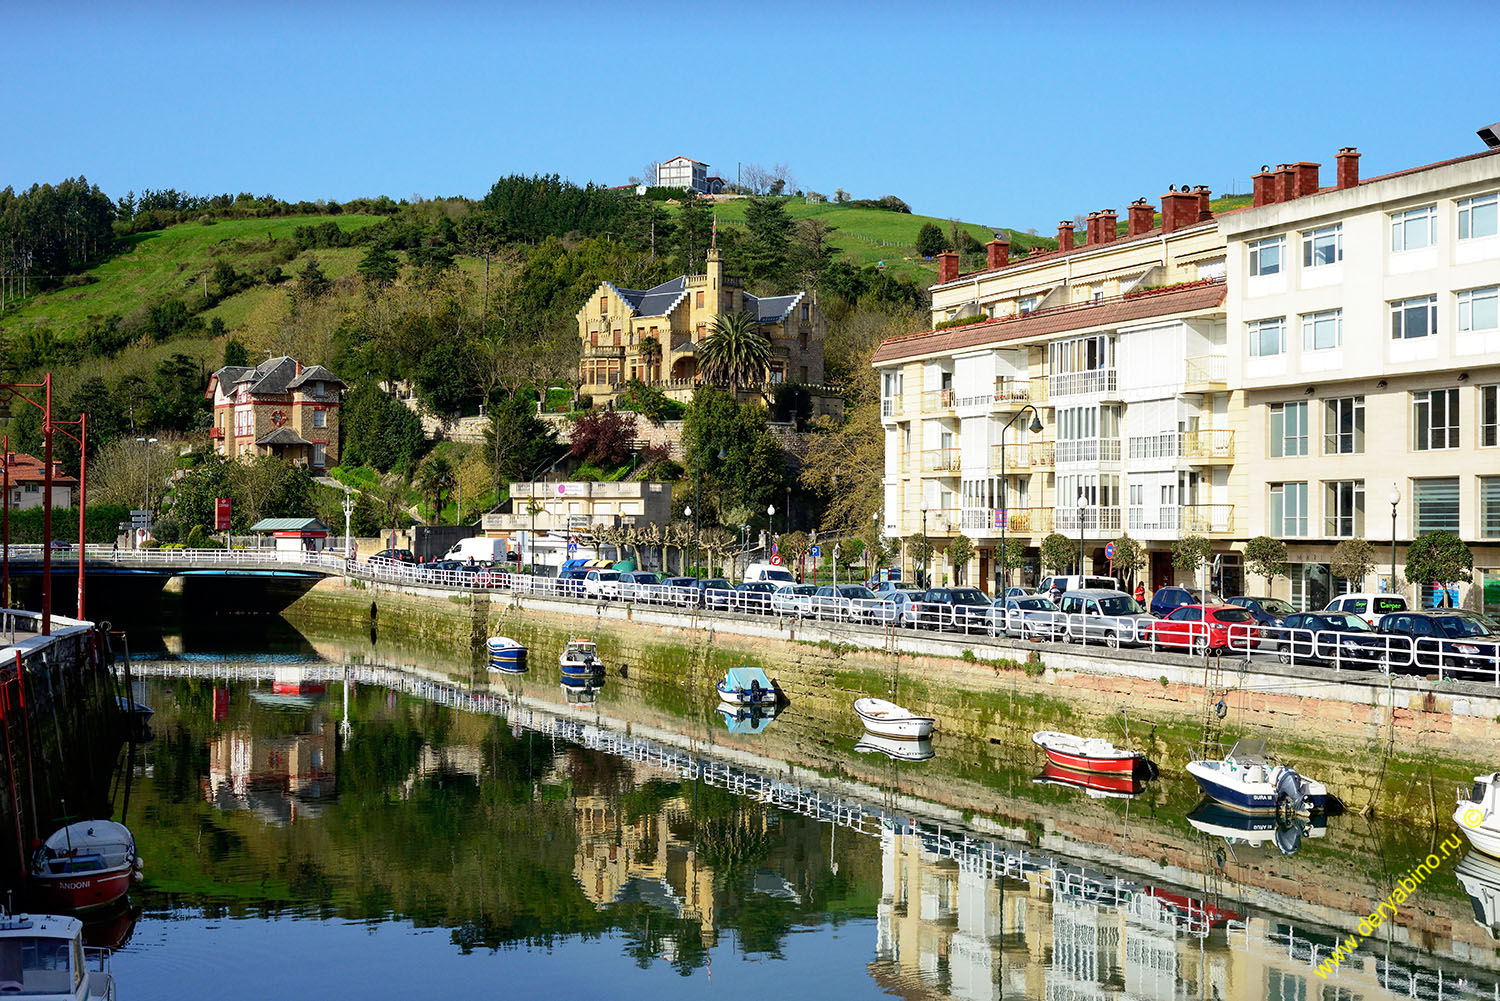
x: 1365, y: 334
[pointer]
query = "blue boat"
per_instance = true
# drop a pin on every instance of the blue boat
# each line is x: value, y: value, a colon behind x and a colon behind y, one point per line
x: 506, y: 655
x: 747, y: 686
x: 1255, y: 829
x: 1246, y: 780
x: 746, y: 719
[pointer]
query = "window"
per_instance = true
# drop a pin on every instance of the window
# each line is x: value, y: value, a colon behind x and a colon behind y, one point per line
x: 1435, y: 419
x: 1288, y: 429
x: 1344, y: 426
x: 320, y: 454
x: 1476, y: 217
x: 1489, y: 419
x: 1344, y: 509
x: 1477, y: 308
x: 1288, y: 509
x: 603, y: 304
x: 804, y: 314
x: 1435, y: 504
x: 1265, y: 256
x: 1413, y: 229
x: 700, y: 298
x: 1321, y: 331
x: 1414, y: 317
x: 1489, y: 507
x: 1267, y: 337
x: 1323, y: 246
x: 320, y: 418
x: 1027, y: 304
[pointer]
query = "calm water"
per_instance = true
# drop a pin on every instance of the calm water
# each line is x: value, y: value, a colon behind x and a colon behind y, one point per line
x: 316, y: 830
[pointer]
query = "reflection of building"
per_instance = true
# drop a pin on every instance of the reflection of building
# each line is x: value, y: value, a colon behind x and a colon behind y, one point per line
x: 278, y: 777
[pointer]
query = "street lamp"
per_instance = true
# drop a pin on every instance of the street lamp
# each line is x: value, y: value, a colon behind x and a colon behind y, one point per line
x: 148, y: 442
x: 531, y: 505
x: 926, y: 546
x: 693, y: 550
x: 348, y: 514
x: 1034, y: 427
x: 1395, y: 498
x: 1082, y: 502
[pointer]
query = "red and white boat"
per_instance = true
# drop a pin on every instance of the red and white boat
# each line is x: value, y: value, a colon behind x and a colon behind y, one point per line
x: 85, y: 866
x: 1087, y: 754
x: 1106, y: 784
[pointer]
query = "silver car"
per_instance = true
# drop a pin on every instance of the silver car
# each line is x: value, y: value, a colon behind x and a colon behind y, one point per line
x: 792, y: 599
x: 1030, y: 617
x: 1111, y: 617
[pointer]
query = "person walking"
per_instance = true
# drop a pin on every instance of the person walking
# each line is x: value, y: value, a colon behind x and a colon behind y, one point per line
x: 1140, y: 593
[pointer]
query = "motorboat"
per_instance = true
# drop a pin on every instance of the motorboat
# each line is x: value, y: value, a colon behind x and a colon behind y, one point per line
x: 1087, y: 754
x: 85, y: 866
x: 747, y: 686
x: 580, y: 659
x: 1247, y: 780
x: 1100, y: 785
x: 42, y: 957
x: 886, y: 719
x: 506, y: 655
x: 896, y: 748
x: 1476, y: 816
x: 747, y: 718
x: 1479, y: 875
x: 1255, y: 829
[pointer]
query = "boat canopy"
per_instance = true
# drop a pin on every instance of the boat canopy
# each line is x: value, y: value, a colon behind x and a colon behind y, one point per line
x: 1249, y: 751
x: 741, y: 679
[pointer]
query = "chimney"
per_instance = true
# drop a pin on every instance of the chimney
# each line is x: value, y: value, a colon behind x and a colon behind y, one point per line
x: 947, y: 266
x: 1142, y: 216
x: 1205, y: 212
x: 1285, y: 182
x: 1179, y: 209
x: 1108, y: 225
x: 1348, y: 167
x: 1091, y: 234
x: 1305, y: 179
x: 999, y: 252
x: 1065, y: 236
x: 1264, y: 190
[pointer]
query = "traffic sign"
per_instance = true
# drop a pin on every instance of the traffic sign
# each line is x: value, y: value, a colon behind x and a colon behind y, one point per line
x: 221, y: 514
x: 816, y: 551
x: 572, y: 548
x: 775, y: 559
x: 1109, y: 550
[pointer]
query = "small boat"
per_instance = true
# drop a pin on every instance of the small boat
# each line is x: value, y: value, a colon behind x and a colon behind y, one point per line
x: 748, y: 718
x: 580, y: 658
x: 747, y: 686
x: 1255, y: 829
x: 580, y: 694
x: 1476, y: 816
x: 895, y: 748
x: 1100, y: 785
x: 506, y: 655
x: 85, y: 866
x: 1247, y: 780
x: 1087, y: 754
x: 43, y: 956
x: 886, y: 719
x: 137, y: 711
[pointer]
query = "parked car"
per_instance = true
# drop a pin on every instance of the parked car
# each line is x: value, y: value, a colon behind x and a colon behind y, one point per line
x: 1171, y: 597
x: 639, y: 585
x: 1266, y: 611
x: 1021, y: 592
x: 601, y: 584
x: 713, y: 593
x: 1444, y: 638
x: 844, y: 601
x: 1027, y: 616
x: 769, y: 572
x: 1075, y: 582
x: 1367, y: 605
x: 1340, y: 638
x: 955, y: 607
x: 1202, y: 628
x: 1110, y: 616
x: 570, y: 583
x: 394, y: 556
x: 792, y: 599
x: 892, y: 586
x: 678, y: 590
x: 899, y: 606
x: 755, y: 596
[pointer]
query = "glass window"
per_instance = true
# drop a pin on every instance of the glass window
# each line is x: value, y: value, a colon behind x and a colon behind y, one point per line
x: 320, y: 418
x: 1321, y: 331
x: 1435, y: 504
x: 1323, y: 246
x: 1414, y: 228
x: 1489, y: 507
x: 1288, y: 429
x: 1476, y: 217
x: 1288, y: 509
x: 1344, y: 509
x: 1266, y: 337
x: 1477, y: 308
x: 1265, y: 256
x: 1414, y: 317
x: 1344, y: 426
x: 1435, y: 419
x: 1489, y: 420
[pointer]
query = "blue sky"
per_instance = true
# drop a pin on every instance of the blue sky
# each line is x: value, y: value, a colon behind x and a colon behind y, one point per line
x: 1002, y: 114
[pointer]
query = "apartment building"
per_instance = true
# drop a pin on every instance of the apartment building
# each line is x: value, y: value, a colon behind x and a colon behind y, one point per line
x: 1365, y: 334
x: 1119, y: 343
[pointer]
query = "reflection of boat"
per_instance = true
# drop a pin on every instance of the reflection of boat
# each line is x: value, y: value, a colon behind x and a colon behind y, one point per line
x: 1476, y: 816
x: 580, y: 659
x: 745, y: 686
x: 1098, y: 784
x: 137, y: 711
x: 886, y: 719
x: 111, y: 928
x: 1255, y: 829
x: 1086, y: 754
x: 900, y: 749
x: 506, y: 655
x: 580, y: 693
x: 1190, y: 908
x: 1480, y: 876
x: 295, y: 681
x: 43, y: 956
x: 747, y: 719
x: 85, y: 865
x: 1246, y: 780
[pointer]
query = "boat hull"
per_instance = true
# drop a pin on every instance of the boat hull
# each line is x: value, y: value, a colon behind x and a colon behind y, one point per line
x: 83, y: 891
x: 508, y: 661
x: 1116, y: 783
x: 1257, y: 798
x: 742, y: 697
x: 1097, y: 766
x: 896, y: 727
x: 1485, y: 838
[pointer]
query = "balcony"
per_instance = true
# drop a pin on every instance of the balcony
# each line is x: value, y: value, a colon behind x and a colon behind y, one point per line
x: 1166, y: 519
x: 891, y: 406
x: 216, y: 434
x: 1021, y: 456
x: 941, y: 460
x: 1096, y: 382
x: 1208, y: 519
x: 1009, y: 395
x: 1022, y: 521
x: 1097, y: 521
x: 551, y: 521
x: 1208, y: 447
x: 1206, y: 374
x: 938, y: 401
x: 1167, y: 445
x: 603, y: 351
x: 1089, y: 450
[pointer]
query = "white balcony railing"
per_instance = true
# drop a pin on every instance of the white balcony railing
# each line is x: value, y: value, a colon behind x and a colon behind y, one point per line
x: 1093, y: 382
x: 1089, y: 450
x: 1096, y: 520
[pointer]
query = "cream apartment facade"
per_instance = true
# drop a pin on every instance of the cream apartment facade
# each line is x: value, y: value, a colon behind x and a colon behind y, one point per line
x: 1120, y: 345
x: 1365, y: 336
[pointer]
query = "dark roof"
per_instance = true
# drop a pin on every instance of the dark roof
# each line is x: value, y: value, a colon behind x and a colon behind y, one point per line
x: 289, y: 525
x: 274, y: 376
x: 771, y: 308
x: 283, y: 436
x: 315, y: 373
x: 1184, y: 298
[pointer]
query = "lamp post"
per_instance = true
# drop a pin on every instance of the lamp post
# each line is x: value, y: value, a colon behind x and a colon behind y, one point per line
x: 1034, y: 427
x: 693, y: 547
x: 1395, y: 498
x: 875, y: 517
x: 926, y: 546
x: 148, y: 442
x: 1082, y: 501
x: 348, y: 515
x: 83, y: 487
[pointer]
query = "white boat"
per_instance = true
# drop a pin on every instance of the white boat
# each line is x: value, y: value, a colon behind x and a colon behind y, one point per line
x: 1087, y: 754
x: 1476, y: 816
x: 747, y: 686
x: 580, y: 658
x: 506, y: 655
x: 886, y: 719
x: 893, y: 747
x: 84, y: 866
x: 1247, y: 780
x: 42, y: 957
x: 1480, y: 876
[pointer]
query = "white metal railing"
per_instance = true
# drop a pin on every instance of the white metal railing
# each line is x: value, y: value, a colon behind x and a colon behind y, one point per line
x: 1088, y: 450
x: 1162, y: 520
x: 1099, y: 380
x: 891, y: 406
x: 1096, y: 519
x: 1166, y: 445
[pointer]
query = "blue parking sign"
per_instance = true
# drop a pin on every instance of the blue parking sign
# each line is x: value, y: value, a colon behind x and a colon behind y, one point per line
x: 816, y: 552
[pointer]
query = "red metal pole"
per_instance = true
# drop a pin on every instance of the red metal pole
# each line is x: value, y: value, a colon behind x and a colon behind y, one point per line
x: 47, y: 508
x: 5, y: 524
x: 83, y: 493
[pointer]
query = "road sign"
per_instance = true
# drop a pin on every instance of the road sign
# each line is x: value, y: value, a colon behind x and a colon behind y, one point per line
x: 775, y: 559
x: 221, y: 514
x: 817, y: 551
x: 1109, y: 550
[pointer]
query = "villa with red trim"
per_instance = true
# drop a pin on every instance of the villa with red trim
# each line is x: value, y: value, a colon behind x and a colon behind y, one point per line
x: 278, y: 408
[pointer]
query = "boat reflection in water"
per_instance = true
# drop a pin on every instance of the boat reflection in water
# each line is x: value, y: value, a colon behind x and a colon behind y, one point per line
x: 895, y: 747
x: 581, y: 692
x: 747, y: 719
x: 1100, y: 785
x: 1479, y: 875
x: 1255, y: 829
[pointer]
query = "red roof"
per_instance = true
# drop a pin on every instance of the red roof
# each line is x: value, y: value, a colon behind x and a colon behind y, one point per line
x: 28, y: 469
x: 1185, y: 298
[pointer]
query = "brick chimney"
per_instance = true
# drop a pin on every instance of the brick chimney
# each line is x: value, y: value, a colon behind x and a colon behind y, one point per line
x: 1264, y: 190
x: 999, y: 252
x: 947, y: 266
x: 1109, y: 223
x: 1179, y: 209
x: 1348, y: 158
x: 1285, y: 181
x: 1091, y: 231
x: 1142, y: 216
x: 1065, y: 236
x: 1205, y: 212
x: 1305, y: 180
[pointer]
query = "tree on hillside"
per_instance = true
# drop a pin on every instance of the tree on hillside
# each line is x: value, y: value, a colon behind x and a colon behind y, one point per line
x: 930, y: 240
x: 694, y: 232
x: 379, y: 431
x: 312, y: 284
x: 1266, y: 557
x: 603, y: 437
x: 235, y: 353
x: 752, y: 470
x: 765, y: 255
x: 811, y: 253
x: 434, y: 479
x: 735, y: 351
x: 378, y: 267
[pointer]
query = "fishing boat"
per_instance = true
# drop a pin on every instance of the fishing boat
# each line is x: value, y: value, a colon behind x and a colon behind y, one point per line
x: 1100, y: 785
x: 886, y: 719
x: 1087, y: 754
x: 747, y: 686
x: 580, y: 659
x: 895, y: 748
x: 506, y: 655
x: 85, y: 865
x: 747, y: 718
x: 1476, y: 816
x: 42, y: 956
x: 1247, y: 780
x: 1255, y: 829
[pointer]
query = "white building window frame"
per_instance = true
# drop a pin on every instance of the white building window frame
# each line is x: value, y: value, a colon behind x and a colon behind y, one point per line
x: 1261, y: 334
x: 1323, y: 331
x: 1323, y: 246
x: 1268, y: 256
x: 1488, y: 408
x: 1344, y: 425
x: 1434, y: 419
x: 1414, y: 318
x: 1288, y: 509
x: 1435, y: 504
x: 1479, y: 309
x: 1413, y: 229
x: 1479, y: 216
x: 1288, y: 426
x: 1344, y: 509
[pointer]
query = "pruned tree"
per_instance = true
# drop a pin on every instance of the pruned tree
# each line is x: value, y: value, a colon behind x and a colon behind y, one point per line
x: 960, y: 552
x: 1011, y: 555
x: 1190, y: 552
x: 1353, y: 559
x: 919, y: 548
x: 716, y: 542
x: 1440, y: 558
x: 1267, y: 557
x: 1058, y: 552
x: 1130, y: 558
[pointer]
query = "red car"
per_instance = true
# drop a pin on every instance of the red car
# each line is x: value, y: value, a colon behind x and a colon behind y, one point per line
x: 1208, y: 627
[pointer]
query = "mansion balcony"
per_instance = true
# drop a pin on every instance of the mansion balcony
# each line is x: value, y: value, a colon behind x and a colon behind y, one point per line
x: 1021, y: 456
x: 938, y: 401
x: 216, y: 434
x: 1100, y: 450
x: 942, y: 461
x: 1019, y: 521
x: 603, y: 351
x: 1100, y: 382
x: 1206, y: 374
x: 1097, y: 522
x: 1206, y: 447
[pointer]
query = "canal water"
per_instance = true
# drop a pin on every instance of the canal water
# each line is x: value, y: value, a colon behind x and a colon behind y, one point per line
x: 388, y: 825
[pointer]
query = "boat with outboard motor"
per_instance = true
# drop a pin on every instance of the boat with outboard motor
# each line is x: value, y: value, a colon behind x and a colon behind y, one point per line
x: 1247, y: 780
x: 85, y: 865
x: 43, y: 958
x: 1255, y: 829
x: 507, y: 656
x: 747, y: 686
x: 580, y: 659
x: 1476, y: 815
x: 747, y: 718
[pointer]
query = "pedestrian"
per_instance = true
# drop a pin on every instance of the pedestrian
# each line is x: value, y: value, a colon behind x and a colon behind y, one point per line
x: 1054, y: 593
x: 114, y: 548
x: 1140, y: 593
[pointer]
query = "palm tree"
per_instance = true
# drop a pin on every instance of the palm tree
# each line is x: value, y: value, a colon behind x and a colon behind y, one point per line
x: 735, y: 350
x: 651, y: 355
x: 434, y: 478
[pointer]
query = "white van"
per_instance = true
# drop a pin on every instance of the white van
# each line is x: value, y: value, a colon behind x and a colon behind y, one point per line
x: 1368, y: 606
x: 480, y: 550
x: 1074, y: 582
x: 768, y: 572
